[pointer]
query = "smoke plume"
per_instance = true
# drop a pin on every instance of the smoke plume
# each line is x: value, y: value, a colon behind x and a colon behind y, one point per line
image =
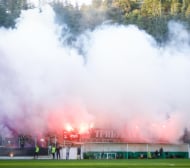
x: 124, y: 81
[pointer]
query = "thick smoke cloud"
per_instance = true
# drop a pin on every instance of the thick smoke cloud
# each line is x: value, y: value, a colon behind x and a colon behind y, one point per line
x: 125, y: 81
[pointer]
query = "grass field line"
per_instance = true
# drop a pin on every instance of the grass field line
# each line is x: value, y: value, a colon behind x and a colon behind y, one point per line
x: 136, y: 163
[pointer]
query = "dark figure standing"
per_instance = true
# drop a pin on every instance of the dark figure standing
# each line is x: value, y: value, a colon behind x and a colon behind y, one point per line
x: 156, y: 154
x: 79, y: 153
x: 36, y: 153
x: 58, y: 152
x: 53, y: 150
x: 161, y: 152
x: 67, y: 153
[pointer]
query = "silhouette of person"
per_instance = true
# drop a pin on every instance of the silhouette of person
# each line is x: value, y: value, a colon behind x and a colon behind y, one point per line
x: 53, y: 150
x: 36, y: 152
x: 58, y: 148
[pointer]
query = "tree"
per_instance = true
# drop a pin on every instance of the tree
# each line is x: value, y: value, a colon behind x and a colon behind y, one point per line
x: 187, y: 12
x: 175, y: 7
x: 184, y: 6
x: 151, y: 8
x: 123, y: 5
x: 10, y: 10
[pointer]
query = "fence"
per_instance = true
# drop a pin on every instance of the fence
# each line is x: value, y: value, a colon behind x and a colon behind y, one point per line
x: 133, y: 151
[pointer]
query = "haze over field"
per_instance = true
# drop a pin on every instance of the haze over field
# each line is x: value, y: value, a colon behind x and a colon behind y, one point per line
x: 123, y: 81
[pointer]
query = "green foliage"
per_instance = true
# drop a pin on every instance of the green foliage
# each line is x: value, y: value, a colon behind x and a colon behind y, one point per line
x: 123, y: 5
x: 150, y: 15
x: 187, y: 12
x: 151, y: 8
x: 10, y: 10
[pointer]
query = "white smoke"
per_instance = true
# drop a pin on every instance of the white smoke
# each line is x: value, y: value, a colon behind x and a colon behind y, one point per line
x: 38, y: 3
x: 142, y: 87
x: 125, y: 81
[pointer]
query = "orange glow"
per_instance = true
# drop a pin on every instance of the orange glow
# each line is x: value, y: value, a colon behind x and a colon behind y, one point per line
x: 11, y: 154
x: 91, y: 125
x: 68, y: 127
x: 83, y: 128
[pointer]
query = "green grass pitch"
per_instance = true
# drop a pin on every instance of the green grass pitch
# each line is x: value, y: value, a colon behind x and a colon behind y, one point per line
x: 152, y: 163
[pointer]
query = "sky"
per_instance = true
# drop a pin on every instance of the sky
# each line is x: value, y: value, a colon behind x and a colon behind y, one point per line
x: 125, y: 81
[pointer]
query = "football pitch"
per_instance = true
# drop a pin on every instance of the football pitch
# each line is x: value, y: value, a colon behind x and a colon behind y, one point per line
x: 133, y: 163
